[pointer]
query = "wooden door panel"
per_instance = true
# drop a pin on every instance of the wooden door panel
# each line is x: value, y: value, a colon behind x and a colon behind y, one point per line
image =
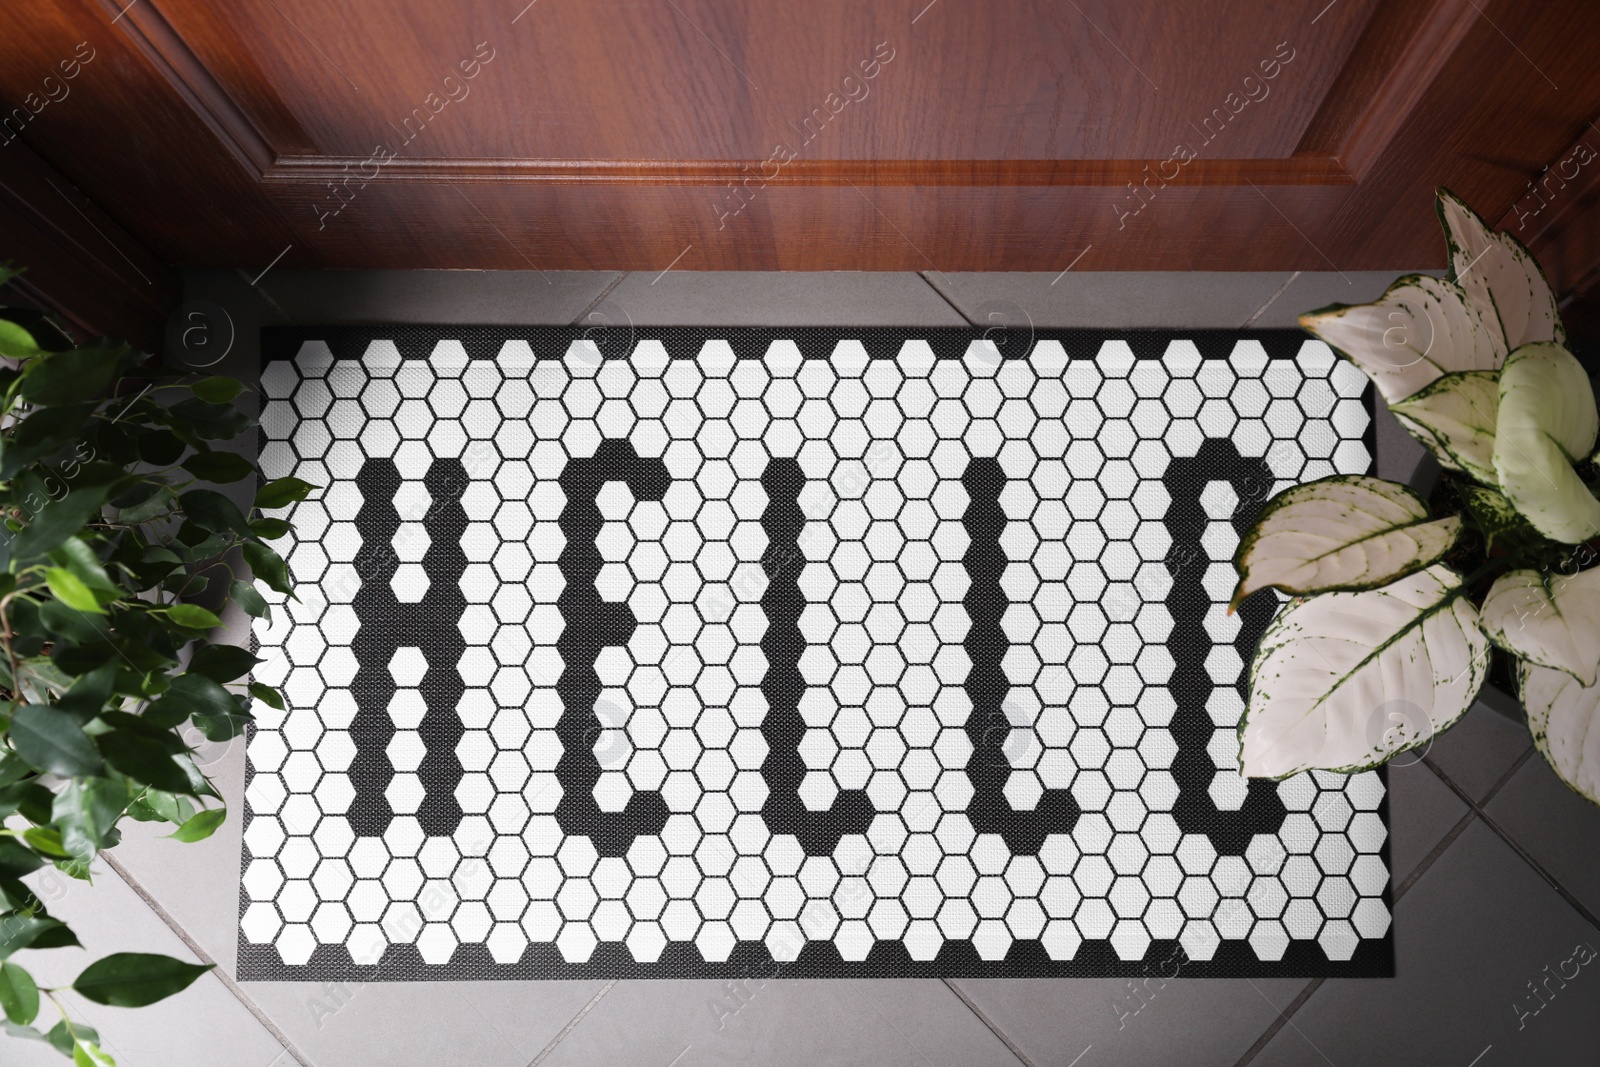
x: 649, y: 80
x: 634, y: 134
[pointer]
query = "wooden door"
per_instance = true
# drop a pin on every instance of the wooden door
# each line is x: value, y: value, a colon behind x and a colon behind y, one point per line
x: 803, y: 134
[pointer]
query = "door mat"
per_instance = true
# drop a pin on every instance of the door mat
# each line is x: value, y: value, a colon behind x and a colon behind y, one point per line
x: 686, y: 653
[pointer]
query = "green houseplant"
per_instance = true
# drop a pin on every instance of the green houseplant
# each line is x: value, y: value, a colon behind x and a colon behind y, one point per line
x: 110, y: 538
x: 1401, y: 606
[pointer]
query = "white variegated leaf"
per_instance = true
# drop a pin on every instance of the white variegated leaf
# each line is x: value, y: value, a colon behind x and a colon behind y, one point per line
x: 1345, y: 681
x: 1546, y: 421
x: 1345, y: 532
x: 1497, y: 271
x: 1564, y: 718
x: 1454, y: 417
x: 1554, y: 623
x: 1420, y: 329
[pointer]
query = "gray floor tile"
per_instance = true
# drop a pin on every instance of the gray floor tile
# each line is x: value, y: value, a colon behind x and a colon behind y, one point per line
x: 1471, y: 935
x: 780, y: 1022
x: 201, y: 1027
x: 1422, y: 810
x: 468, y: 297
x: 738, y: 298
x: 198, y: 884
x: 1107, y: 299
x: 421, y: 1024
x: 1138, y: 1023
x: 1477, y: 752
x: 1312, y: 290
x: 1556, y: 826
x: 1401, y: 456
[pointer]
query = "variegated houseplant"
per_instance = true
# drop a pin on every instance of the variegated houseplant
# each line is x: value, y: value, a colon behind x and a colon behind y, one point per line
x: 1400, y: 604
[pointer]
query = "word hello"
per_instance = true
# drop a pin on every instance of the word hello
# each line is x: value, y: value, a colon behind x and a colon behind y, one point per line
x: 1537, y: 1002
x: 1563, y: 172
x: 455, y: 91
x: 855, y: 90
x: 1255, y: 91
x: 55, y: 90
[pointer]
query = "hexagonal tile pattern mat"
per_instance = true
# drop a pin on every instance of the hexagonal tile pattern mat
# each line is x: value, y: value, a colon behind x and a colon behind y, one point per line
x: 688, y: 653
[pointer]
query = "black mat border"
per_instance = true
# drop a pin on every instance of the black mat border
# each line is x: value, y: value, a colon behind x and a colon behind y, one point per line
x: 1373, y: 958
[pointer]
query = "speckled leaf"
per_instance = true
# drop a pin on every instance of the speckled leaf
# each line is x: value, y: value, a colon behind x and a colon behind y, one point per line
x: 1421, y: 329
x: 1564, y: 718
x: 1550, y: 620
x: 1546, y: 420
x: 1454, y: 418
x: 1497, y: 272
x: 1332, y: 669
x: 1346, y: 532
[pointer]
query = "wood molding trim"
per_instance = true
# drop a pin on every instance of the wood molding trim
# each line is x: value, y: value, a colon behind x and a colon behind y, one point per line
x: 79, y: 263
x: 1296, y: 170
x: 153, y: 36
x: 1402, y: 51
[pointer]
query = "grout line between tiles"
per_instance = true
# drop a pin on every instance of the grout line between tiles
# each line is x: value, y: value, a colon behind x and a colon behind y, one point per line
x: 1273, y: 299
x: 597, y: 301
x: 945, y: 297
x: 1399, y: 891
x: 1506, y: 777
x: 572, y: 1025
x: 1527, y: 857
x: 1004, y: 1040
x: 1280, y: 1022
x: 205, y: 957
x: 1438, y: 850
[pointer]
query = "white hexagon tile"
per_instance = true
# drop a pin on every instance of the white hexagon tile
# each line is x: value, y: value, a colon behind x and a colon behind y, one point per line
x: 691, y: 653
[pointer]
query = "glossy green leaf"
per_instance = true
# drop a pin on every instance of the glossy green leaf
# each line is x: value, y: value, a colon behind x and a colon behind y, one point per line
x: 16, y: 342
x: 70, y: 377
x: 195, y: 694
x: 61, y: 1035
x: 250, y: 600
x: 15, y: 860
x: 144, y: 759
x: 88, y: 1054
x: 198, y: 420
x: 53, y: 742
x: 222, y: 663
x: 270, y: 529
x: 19, y: 995
x: 19, y: 931
x: 58, y: 520
x: 217, y: 389
x: 201, y: 825
x: 191, y: 616
x: 282, y: 492
x: 220, y: 467
x: 76, y: 556
x: 268, y: 566
x: 135, y: 979
x: 70, y: 590
x: 267, y: 695
x: 212, y: 511
x: 86, y: 810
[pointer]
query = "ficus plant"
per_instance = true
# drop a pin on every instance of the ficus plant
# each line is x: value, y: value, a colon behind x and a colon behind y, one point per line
x: 1401, y: 608
x: 115, y: 558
